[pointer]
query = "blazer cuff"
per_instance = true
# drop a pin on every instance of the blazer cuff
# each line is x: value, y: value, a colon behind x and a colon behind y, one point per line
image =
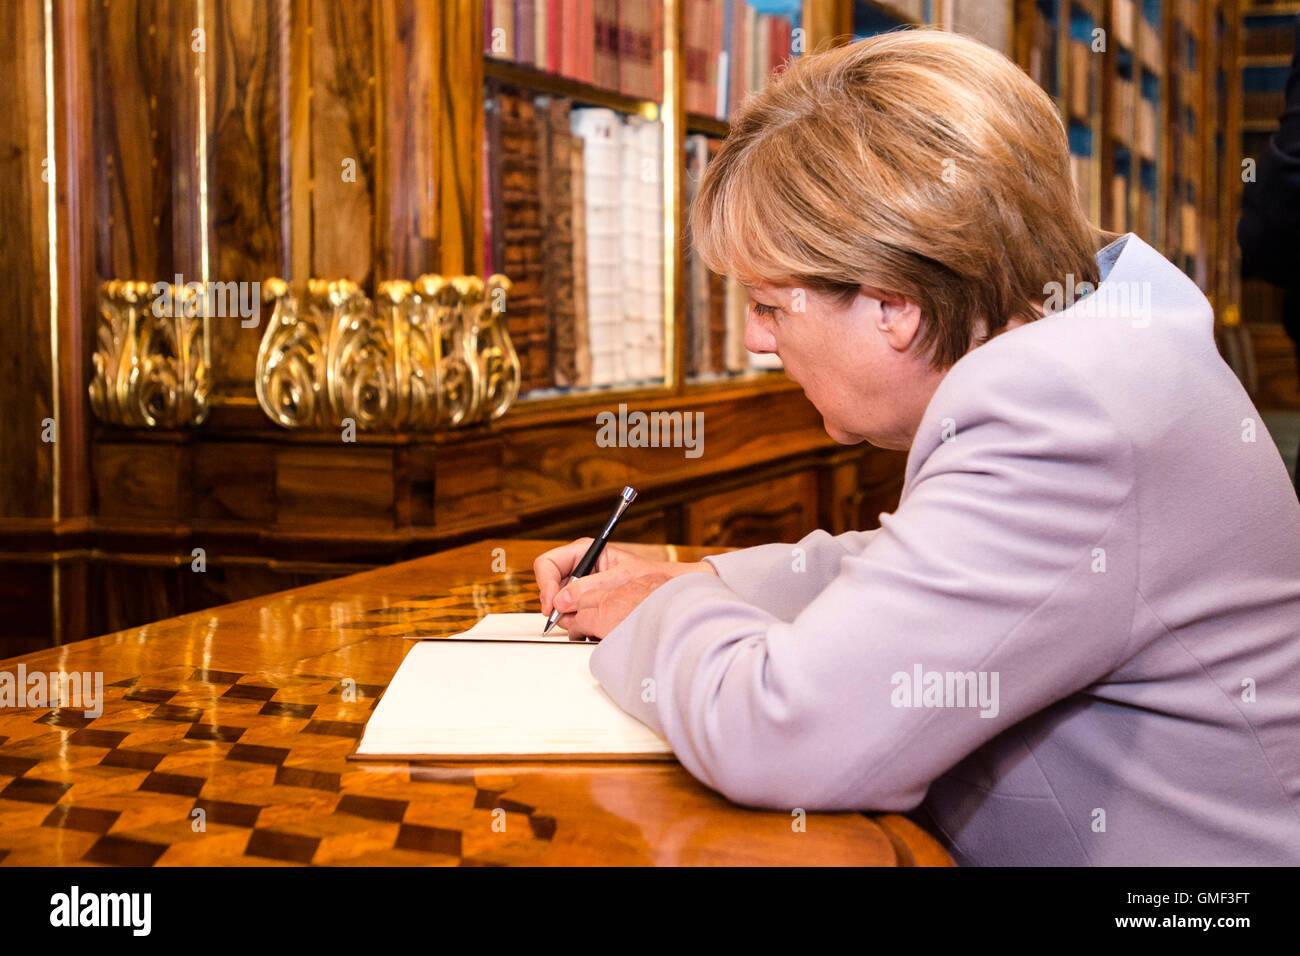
x: 625, y: 660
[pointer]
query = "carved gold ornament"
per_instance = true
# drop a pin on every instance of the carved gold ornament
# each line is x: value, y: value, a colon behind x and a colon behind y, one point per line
x: 424, y: 355
x: 149, y: 367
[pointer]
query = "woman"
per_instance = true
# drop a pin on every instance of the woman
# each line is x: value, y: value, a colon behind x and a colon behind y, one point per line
x: 1076, y: 640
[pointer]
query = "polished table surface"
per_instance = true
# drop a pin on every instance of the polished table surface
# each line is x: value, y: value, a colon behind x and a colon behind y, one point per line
x: 225, y: 734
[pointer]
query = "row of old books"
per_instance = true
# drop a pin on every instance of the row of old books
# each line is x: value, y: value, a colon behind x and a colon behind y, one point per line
x: 1135, y: 114
x: 1138, y: 28
x: 614, y: 44
x: 573, y: 215
x: 1081, y: 169
x: 716, y: 306
x: 730, y: 51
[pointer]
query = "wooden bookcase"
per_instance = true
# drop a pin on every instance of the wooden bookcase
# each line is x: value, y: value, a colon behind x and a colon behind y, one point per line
x: 1148, y: 92
x: 101, y: 531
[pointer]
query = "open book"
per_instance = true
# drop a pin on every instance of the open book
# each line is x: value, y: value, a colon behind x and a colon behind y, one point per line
x: 507, y: 697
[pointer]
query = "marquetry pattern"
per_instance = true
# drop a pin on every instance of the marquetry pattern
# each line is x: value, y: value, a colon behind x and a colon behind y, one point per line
x: 149, y: 365
x: 261, y: 757
x: 421, y: 356
x: 198, y: 728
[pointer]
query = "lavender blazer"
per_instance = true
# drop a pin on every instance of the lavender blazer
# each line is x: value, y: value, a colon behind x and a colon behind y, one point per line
x: 1077, y: 640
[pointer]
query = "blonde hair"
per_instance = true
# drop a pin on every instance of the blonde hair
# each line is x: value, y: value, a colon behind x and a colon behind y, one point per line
x: 918, y: 161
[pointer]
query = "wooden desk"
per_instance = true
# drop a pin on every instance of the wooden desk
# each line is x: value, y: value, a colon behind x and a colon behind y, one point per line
x: 241, y: 712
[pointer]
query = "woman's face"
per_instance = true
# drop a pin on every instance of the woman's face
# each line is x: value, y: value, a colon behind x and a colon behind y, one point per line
x: 857, y: 362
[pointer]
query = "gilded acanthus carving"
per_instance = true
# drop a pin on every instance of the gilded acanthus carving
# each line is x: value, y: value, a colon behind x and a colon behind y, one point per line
x: 149, y: 365
x: 424, y: 355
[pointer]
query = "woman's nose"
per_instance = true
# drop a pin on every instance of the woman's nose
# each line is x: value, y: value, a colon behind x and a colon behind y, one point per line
x: 758, y: 335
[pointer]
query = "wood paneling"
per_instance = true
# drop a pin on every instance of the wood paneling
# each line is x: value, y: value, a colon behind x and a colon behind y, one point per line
x: 409, y: 38
x: 341, y: 490
x: 26, y: 595
x: 556, y: 458
x: 658, y: 526
x: 460, y: 116
x: 74, y: 265
x: 146, y: 94
x: 781, y: 509
x: 264, y: 105
x: 248, y: 170
x: 234, y: 482
x: 145, y: 481
x: 880, y: 483
x: 454, y: 480
x: 343, y: 140
x: 26, y: 376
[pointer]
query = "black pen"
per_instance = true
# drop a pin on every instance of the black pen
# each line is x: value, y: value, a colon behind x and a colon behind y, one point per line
x: 589, y: 559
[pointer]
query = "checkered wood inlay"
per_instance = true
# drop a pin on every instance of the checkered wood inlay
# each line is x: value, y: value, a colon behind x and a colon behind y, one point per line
x: 224, y: 737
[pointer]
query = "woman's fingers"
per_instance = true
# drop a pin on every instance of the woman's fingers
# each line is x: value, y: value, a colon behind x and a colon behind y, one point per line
x: 598, y: 610
x: 552, y: 568
x: 582, y: 592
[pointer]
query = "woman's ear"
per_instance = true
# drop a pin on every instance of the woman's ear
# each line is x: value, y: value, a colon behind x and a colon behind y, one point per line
x: 898, y: 318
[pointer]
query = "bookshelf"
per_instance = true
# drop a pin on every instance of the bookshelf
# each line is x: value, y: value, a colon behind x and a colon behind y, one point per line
x: 632, y: 73
x: 683, y: 66
x: 1142, y: 86
x: 1146, y: 90
x: 402, y: 91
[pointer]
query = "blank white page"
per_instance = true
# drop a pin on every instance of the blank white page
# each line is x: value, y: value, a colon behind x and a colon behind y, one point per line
x: 471, y: 699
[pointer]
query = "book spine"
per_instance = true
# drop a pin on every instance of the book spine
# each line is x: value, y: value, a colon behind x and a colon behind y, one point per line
x: 539, y: 34
x: 605, y: 55
x: 503, y: 19
x: 716, y: 15
x: 554, y: 26
x: 722, y: 107
x: 697, y: 326
x: 696, y: 57
x: 750, y: 48
x: 557, y: 220
x: 581, y: 333
x: 598, y: 130
x: 652, y: 342
x: 525, y: 31
x: 625, y: 43
x: 657, y: 54
x: 568, y: 36
x: 737, y: 308
x: 521, y: 225
x: 628, y: 353
x: 584, y: 41
x: 717, y: 306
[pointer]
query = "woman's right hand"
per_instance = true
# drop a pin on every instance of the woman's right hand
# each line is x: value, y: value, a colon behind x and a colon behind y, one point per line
x: 615, y: 566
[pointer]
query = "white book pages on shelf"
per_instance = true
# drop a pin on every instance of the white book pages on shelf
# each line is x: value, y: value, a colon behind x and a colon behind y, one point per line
x: 736, y: 306
x: 652, y: 251
x: 599, y: 129
x: 630, y: 245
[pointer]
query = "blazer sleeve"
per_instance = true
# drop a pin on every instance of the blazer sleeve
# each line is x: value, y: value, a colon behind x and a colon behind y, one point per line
x: 783, y: 578
x: 990, y: 564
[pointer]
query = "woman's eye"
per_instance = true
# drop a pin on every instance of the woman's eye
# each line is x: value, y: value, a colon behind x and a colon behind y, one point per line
x: 763, y: 310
